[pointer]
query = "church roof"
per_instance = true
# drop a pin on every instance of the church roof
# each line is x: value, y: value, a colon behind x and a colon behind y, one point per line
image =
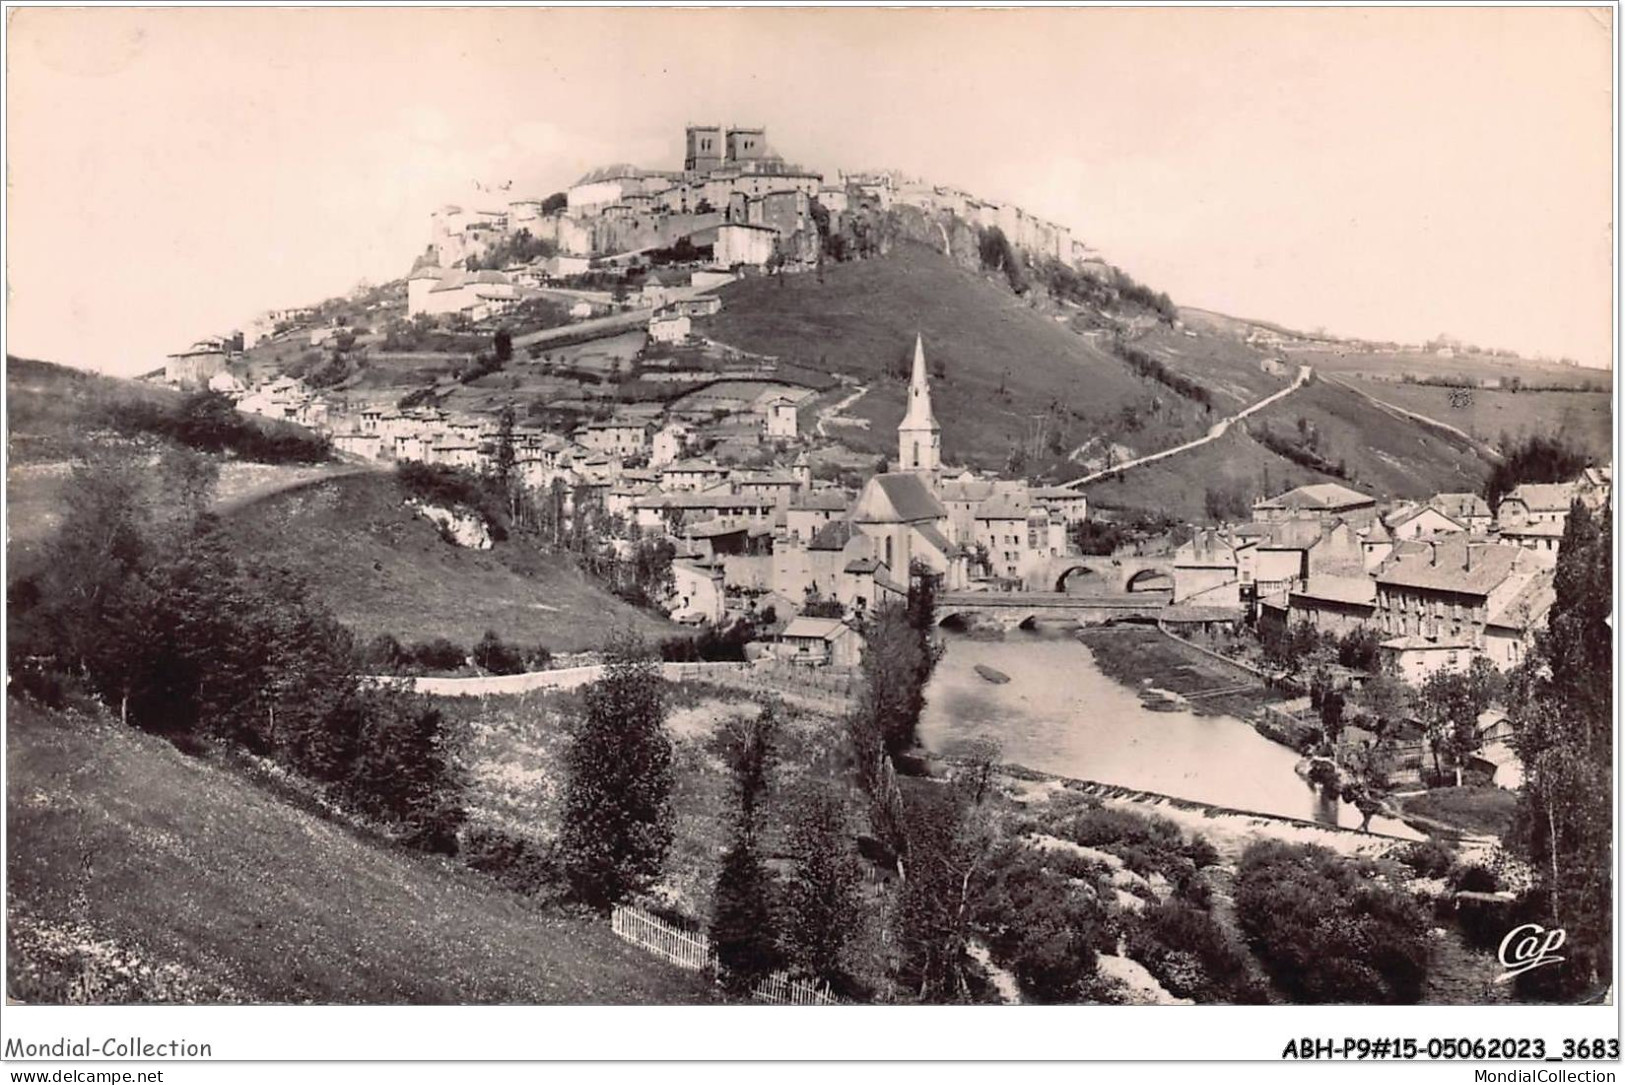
x: 897, y: 497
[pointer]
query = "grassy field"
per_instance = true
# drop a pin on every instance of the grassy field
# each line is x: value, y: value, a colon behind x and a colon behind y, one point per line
x: 136, y: 874
x: 51, y: 409
x: 1486, y: 810
x: 1586, y: 418
x: 512, y: 749
x: 383, y: 569
x: 1351, y: 361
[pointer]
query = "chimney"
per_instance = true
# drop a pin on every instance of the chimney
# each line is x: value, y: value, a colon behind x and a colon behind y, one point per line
x: 1433, y: 552
x: 1468, y: 550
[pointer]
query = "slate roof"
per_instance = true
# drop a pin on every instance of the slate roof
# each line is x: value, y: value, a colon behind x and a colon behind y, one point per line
x: 1460, y: 506
x: 1002, y: 508
x: 974, y: 490
x: 1412, y: 513
x: 1412, y: 566
x: 817, y: 628
x: 1378, y: 533
x: 1544, y: 496
x: 822, y: 501
x: 831, y: 536
x: 1529, y: 606
x: 1319, y: 495
x: 930, y: 534
x: 897, y: 497
x: 1351, y: 590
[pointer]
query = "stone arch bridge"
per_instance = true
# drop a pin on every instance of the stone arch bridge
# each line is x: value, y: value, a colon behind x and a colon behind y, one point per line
x: 1012, y: 609
x: 1085, y: 575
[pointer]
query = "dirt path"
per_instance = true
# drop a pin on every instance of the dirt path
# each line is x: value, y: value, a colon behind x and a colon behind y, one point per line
x: 247, y: 485
x: 1217, y: 430
x: 835, y: 409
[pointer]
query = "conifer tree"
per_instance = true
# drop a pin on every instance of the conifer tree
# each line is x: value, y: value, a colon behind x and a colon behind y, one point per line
x: 617, y: 822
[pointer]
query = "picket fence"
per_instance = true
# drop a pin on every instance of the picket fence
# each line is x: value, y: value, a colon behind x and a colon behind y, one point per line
x: 692, y: 950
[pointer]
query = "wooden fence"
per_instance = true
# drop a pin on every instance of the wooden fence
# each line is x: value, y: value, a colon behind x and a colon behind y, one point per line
x: 692, y: 950
x: 681, y: 948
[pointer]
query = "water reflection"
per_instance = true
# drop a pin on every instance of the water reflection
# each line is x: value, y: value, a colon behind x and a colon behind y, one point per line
x: 1059, y: 713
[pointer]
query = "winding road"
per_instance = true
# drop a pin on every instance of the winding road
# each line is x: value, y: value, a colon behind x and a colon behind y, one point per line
x: 1217, y: 430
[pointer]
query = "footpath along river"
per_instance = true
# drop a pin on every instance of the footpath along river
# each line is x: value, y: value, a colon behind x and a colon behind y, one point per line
x: 1059, y: 713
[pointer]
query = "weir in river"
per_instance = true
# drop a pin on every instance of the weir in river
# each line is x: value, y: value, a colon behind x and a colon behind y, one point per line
x: 1060, y: 714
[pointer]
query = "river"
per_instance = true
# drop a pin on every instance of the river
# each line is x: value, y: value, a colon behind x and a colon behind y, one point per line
x: 1059, y: 713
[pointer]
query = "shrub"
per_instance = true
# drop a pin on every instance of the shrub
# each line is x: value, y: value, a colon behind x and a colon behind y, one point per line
x: 1045, y: 929
x: 1473, y: 879
x: 514, y: 862
x: 1191, y: 955
x: 1428, y: 858
x: 439, y: 654
x: 492, y: 655
x: 385, y: 653
x: 1326, y: 929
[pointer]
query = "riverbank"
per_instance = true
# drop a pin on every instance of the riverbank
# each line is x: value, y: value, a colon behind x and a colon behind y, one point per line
x: 1139, y: 657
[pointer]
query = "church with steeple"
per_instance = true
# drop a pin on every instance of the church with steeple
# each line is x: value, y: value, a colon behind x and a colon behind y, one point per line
x: 898, y: 512
x: 919, y: 437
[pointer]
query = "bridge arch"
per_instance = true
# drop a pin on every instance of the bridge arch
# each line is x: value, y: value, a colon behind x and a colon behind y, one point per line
x: 1098, y: 569
x: 1150, y: 578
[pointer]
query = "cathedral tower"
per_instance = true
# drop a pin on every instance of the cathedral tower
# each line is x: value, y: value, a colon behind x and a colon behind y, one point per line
x: 919, y: 438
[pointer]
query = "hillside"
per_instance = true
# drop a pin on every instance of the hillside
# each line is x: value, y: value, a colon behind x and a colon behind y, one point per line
x: 862, y: 314
x: 1383, y: 453
x: 58, y: 415
x: 156, y: 877
x: 1000, y: 366
x: 383, y: 569
x: 1493, y: 414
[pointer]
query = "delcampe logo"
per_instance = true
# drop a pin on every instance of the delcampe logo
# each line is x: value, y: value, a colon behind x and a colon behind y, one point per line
x: 1527, y: 947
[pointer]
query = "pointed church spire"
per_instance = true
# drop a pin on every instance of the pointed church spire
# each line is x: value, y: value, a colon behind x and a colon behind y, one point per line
x: 919, y: 393
x: 919, y: 438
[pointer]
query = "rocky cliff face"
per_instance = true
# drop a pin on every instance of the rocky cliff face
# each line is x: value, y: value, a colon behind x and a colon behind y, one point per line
x: 459, y: 527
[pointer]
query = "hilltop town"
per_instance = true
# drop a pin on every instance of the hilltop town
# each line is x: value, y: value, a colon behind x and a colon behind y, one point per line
x: 606, y: 287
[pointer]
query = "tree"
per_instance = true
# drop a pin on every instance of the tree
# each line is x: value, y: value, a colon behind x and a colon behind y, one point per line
x: 502, y: 347
x: 555, y: 203
x: 742, y: 918
x: 401, y: 769
x: 1449, y: 714
x: 617, y: 823
x: 948, y: 847
x: 821, y: 903
x: 505, y: 458
x: 748, y: 747
x: 1537, y: 458
x: 891, y: 697
x: 1559, y: 702
x: 492, y: 655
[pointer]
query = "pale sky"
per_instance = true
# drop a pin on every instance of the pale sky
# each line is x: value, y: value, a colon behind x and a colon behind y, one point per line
x: 1378, y: 172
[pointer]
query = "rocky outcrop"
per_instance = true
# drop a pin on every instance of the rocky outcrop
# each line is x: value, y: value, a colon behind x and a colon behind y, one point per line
x: 457, y: 526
